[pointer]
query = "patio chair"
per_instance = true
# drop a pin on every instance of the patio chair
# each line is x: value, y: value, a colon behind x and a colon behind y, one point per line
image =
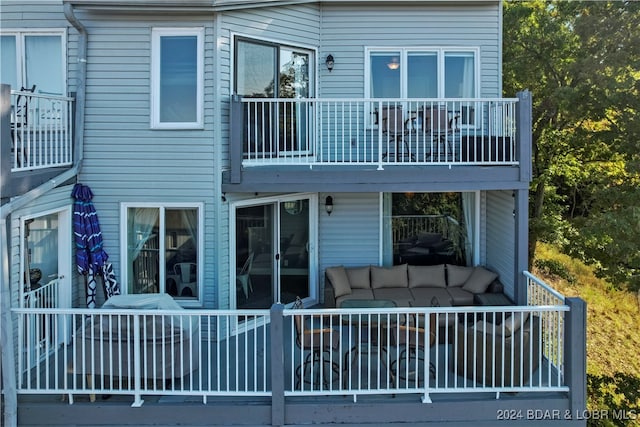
x: 505, y: 354
x: 243, y: 277
x: 411, y: 339
x: 439, y: 127
x: 19, y: 122
x: 187, y: 272
x: 319, y: 343
x: 394, y: 129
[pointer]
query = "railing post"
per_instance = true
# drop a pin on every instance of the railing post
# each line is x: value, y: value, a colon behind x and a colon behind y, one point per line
x: 236, y: 120
x: 379, y: 115
x: 137, y: 360
x: 277, y: 364
x: 575, y: 353
x: 523, y: 134
x: 5, y: 136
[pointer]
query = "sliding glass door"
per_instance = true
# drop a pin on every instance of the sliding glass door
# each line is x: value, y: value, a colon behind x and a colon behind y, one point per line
x: 268, y: 70
x: 272, y: 252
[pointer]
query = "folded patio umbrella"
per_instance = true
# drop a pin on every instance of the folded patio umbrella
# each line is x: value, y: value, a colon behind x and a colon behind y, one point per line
x: 91, y: 258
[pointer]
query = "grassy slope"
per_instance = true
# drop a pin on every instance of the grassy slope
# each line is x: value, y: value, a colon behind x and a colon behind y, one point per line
x: 613, y: 337
x: 613, y: 316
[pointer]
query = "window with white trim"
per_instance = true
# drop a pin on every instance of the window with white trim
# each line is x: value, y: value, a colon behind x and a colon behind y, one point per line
x: 422, y: 73
x: 177, y: 78
x: 163, y: 252
x: 34, y: 58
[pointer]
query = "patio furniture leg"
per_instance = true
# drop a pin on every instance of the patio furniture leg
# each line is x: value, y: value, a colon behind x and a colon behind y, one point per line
x: 92, y: 396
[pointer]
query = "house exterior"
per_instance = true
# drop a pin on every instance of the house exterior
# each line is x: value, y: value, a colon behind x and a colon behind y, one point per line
x: 235, y: 151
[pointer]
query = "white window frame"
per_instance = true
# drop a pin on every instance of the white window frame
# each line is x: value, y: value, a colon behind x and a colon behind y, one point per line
x: 439, y: 51
x: 156, y: 37
x: 20, y: 34
x: 124, y: 207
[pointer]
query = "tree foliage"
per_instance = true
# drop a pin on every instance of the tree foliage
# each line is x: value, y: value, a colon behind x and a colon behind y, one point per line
x: 581, y: 61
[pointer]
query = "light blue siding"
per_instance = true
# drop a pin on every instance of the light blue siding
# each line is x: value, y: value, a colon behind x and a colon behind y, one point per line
x: 500, y: 237
x: 124, y: 159
x: 350, y: 236
x: 348, y: 29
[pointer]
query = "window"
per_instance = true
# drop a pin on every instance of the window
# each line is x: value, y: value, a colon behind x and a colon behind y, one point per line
x: 177, y: 78
x: 33, y: 58
x: 430, y: 228
x: 267, y: 70
x: 422, y: 73
x: 163, y: 250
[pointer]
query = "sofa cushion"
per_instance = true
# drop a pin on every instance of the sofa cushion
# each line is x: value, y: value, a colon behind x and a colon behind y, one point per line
x: 460, y: 297
x: 479, y: 280
x: 355, y: 294
x: 401, y: 296
x: 359, y: 277
x: 389, y: 277
x: 427, y: 276
x: 457, y: 275
x: 423, y: 297
x: 514, y: 322
x: 339, y: 280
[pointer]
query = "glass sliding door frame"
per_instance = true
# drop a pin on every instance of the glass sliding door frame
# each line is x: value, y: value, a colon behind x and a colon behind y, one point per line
x: 277, y: 209
x: 271, y: 70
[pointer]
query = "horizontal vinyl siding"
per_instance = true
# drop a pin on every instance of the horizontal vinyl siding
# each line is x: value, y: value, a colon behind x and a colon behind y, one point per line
x: 126, y: 161
x: 500, y: 237
x: 350, y: 236
x: 347, y: 30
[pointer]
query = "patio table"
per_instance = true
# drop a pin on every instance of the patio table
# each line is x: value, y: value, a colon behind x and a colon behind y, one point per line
x: 372, y: 328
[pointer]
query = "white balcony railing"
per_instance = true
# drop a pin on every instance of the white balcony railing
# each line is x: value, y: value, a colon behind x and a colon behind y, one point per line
x: 41, y: 131
x: 409, y: 350
x: 379, y: 131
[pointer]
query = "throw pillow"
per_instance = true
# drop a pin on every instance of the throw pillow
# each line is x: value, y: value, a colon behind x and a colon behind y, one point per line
x: 427, y: 276
x: 339, y: 280
x: 389, y: 277
x: 457, y: 275
x: 359, y: 277
x: 514, y: 322
x: 479, y: 280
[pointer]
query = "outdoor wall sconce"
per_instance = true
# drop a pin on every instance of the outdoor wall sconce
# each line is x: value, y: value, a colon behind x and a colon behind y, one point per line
x: 330, y: 62
x: 328, y: 205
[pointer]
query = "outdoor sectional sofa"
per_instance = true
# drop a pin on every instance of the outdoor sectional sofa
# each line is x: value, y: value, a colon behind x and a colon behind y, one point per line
x: 410, y: 285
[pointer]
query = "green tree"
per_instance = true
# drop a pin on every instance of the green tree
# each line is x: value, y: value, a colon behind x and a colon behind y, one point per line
x: 581, y: 62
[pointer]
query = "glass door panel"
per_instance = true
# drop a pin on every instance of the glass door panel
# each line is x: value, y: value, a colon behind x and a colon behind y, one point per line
x: 272, y: 253
x: 294, y: 250
x: 255, y: 256
x: 293, y: 117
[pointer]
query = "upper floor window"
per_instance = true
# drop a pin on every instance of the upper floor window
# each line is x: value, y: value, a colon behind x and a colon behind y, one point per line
x: 163, y: 250
x: 268, y: 70
x: 177, y: 78
x: 422, y: 73
x: 33, y: 58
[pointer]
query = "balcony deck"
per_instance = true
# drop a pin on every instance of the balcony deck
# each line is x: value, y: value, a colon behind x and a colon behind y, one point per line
x: 360, y: 142
x: 230, y: 364
x: 37, y: 140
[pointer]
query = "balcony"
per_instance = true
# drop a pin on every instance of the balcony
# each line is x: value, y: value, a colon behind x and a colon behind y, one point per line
x: 41, y: 131
x: 286, y: 136
x: 337, y: 357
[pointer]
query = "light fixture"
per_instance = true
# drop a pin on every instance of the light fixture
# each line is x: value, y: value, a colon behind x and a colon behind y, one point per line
x: 394, y: 64
x: 330, y: 62
x: 328, y: 205
x: 293, y: 207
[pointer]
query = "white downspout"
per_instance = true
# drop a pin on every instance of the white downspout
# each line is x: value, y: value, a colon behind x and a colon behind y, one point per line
x: 6, y: 325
